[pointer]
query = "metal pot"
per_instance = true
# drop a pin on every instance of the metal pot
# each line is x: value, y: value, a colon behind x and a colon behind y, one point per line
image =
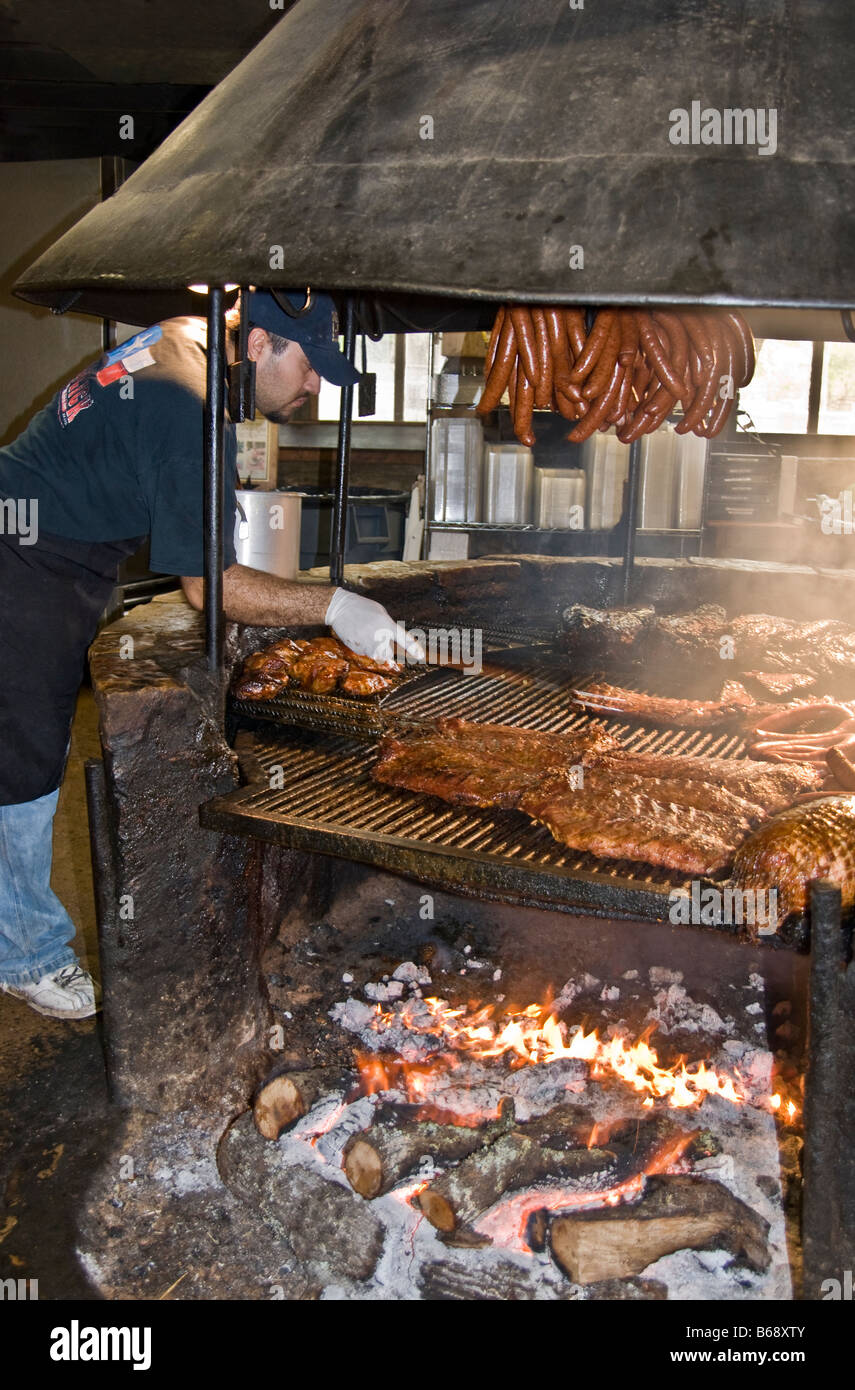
x: 267, y: 534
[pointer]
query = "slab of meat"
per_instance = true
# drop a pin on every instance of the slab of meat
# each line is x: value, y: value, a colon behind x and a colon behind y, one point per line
x: 612, y: 635
x: 771, y: 786
x: 780, y: 683
x: 624, y: 821
x: 816, y: 840
x: 481, y: 764
x: 731, y: 811
x: 734, y: 706
x: 820, y: 649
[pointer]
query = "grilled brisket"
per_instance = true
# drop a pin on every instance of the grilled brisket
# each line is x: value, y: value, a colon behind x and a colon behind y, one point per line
x: 692, y: 642
x: 681, y: 812
x: 626, y: 821
x: 770, y: 785
x: 481, y: 764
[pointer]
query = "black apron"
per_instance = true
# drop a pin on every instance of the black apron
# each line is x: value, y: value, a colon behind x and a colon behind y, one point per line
x: 52, y: 595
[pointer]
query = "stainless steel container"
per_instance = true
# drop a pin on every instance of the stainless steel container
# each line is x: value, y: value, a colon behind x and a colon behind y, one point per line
x: 559, y: 499
x: 457, y: 446
x: 508, y: 470
x: 690, y: 462
x: 606, y: 464
x: 267, y: 535
x: 656, y: 480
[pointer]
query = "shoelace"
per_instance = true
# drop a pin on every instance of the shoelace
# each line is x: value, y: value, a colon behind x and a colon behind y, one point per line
x: 70, y: 976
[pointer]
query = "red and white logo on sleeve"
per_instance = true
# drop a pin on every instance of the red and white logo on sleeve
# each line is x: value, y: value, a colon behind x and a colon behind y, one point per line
x: 74, y: 398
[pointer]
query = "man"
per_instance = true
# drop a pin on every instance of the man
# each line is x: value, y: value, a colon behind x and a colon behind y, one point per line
x: 117, y: 456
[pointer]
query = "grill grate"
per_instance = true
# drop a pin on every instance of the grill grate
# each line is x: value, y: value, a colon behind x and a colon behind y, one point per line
x: 314, y: 791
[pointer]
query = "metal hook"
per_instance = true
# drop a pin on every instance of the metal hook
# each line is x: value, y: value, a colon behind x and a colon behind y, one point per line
x: 284, y: 303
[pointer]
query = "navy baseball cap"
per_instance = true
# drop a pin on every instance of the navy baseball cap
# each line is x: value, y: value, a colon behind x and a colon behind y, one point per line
x: 315, y: 331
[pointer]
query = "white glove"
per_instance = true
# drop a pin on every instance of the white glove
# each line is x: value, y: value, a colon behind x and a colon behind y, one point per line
x: 368, y: 629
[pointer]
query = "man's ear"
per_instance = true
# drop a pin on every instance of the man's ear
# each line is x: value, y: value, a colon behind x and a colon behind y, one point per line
x: 256, y: 343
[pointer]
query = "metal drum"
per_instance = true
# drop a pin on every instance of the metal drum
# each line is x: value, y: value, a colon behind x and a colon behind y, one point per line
x: 267, y: 535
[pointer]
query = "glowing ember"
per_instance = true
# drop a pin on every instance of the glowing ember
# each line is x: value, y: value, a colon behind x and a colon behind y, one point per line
x: 527, y: 1038
x: 506, y: 1222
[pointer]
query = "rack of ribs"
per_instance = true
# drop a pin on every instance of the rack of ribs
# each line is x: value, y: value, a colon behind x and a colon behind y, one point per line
x: 735, y: 706
x: 680, y: 812
x: 473, y: 764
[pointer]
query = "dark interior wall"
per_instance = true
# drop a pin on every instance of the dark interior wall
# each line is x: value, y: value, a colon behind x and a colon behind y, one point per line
x: 39, y: 351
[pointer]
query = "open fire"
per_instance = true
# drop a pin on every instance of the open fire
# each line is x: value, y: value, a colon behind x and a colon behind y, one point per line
x: 545, y: 1150
x: 534, y: 1036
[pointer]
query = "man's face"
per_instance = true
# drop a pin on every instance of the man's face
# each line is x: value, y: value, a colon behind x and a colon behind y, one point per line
x: 283, y: 381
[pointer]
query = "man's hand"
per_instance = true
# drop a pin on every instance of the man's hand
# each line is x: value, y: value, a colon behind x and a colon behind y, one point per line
x: 367, y: 628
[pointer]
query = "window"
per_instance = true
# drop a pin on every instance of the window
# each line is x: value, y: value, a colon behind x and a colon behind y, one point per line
x: 837, y: 392
x: 778, y: 397
x: 400, y: 361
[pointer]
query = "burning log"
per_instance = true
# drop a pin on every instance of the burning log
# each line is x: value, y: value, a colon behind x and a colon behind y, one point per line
x: 675, y: 1213
x: 379, y: 1158
x: 285, y: 1096
x: 513, y: 1162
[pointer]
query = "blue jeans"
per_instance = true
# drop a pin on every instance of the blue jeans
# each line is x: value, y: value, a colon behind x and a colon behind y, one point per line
x: 34, y: 926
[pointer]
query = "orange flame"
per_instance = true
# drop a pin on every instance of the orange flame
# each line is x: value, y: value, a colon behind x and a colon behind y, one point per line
x: 526, y: 1040
x: 517, y: 1208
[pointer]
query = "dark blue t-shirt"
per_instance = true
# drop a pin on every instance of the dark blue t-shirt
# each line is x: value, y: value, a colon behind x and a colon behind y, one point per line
x: 120, y: 457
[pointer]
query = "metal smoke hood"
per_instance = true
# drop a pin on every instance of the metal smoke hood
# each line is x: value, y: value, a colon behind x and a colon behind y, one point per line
x: 434, y: 148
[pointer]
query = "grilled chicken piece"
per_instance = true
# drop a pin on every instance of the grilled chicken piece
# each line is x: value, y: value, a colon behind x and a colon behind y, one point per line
x: 318, y: 673
x: 365, y: 683
x: 319, y: 665
x: 367, y: 663
x: 816, y: 840
x: 259, y: 687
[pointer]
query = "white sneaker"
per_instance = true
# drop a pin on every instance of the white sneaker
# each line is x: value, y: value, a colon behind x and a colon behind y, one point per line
x: 66, y: 993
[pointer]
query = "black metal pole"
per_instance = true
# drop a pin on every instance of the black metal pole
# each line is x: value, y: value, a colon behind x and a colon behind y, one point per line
x: 106, y: 897
x: 339, y: 520
x: 631, y: 509
x: 828, y: 1221
x: 213, y: 480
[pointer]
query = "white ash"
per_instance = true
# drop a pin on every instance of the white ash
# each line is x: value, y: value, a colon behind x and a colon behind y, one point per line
x: 571, y: 990
x: 756, y: 981
x: 661, y: 975
x: 537, y: 1090
x: 674, y: 1010
x: 411, y: 973
x: 754, y: 1008
x: 746, y: 1135
x: 610, y: 993
x: 718, y: 1166
x: 754, y: 1066
x: 353, y: 1015
x: 467, y: 950
x: 383, y: 993
x: 629, y: 975
x: 497, y: 975
x: 347, y: 979
x: 330, y: 1142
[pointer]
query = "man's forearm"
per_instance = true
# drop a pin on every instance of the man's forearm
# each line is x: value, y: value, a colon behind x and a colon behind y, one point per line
x: 264, y: 600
